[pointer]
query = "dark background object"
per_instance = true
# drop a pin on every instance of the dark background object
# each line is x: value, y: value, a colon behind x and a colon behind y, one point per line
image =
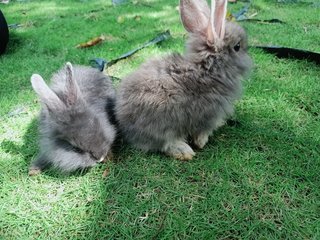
x: 101, y: 63
x: 4, y: 33
x: 284, y: 52
x: 159, y: 38
x: 273, y: 20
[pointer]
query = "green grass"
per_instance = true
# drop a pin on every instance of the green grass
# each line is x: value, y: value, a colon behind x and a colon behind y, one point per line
x: 258, y: 179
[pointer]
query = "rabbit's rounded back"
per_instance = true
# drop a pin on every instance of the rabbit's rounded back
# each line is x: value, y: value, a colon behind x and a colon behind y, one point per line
x: 170, y: 99
x: 74, y: 125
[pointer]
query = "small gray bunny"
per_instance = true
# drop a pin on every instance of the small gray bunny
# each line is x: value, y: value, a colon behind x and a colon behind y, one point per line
x: 75, y: 127
x: 169, y: 100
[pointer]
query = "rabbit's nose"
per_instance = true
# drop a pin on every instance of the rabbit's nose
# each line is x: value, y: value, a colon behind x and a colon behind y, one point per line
x: 107, y: 157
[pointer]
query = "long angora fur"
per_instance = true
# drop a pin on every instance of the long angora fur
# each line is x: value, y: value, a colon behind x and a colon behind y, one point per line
x: 168, y: 100
x: 75, y: 130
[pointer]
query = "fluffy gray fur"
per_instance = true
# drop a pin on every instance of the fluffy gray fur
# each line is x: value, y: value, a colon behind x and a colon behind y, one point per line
x: 75, y: 132
x: 168, y: 100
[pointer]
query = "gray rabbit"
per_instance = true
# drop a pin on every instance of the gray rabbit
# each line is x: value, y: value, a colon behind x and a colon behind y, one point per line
x: 168, y: 100
x: 75, y: 127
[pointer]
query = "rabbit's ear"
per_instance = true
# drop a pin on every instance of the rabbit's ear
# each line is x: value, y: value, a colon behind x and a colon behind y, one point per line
x: 72, y: 88
x: 216, y: 27
x: 47, y: 96
x: 220, y: 17
x: 195, y: 15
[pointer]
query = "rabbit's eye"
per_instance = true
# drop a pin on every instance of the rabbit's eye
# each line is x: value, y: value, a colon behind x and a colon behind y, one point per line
x: 237, y: 47
x: 78, y: 150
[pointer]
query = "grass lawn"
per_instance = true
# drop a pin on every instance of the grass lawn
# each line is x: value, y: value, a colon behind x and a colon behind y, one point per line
x: 257, y: 179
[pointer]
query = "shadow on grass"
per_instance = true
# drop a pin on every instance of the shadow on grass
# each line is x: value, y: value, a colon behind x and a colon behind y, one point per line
x: 243, y: 173
x: 150, y: 196
x: 30, y: 143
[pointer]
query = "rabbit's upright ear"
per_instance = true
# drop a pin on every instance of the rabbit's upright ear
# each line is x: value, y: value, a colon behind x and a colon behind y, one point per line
x: 216, y: 26
x: 47, y: 96
x: 72, y: 88
x: 195, y: 15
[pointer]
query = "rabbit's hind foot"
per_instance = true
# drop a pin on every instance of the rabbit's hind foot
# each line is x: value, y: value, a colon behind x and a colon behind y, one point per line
x: 179, y: 150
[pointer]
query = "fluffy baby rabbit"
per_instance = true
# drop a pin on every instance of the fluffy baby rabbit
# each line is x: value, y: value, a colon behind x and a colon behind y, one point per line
x: 179, y: 97
x: 75, y: 132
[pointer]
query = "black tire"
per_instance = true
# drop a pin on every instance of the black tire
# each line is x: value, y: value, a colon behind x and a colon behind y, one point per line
x: 4, y: 33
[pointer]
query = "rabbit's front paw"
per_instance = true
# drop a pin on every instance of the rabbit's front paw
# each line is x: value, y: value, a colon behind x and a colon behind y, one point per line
x: 34, y: 171
x: 201, y: 140
x: 179, y: 150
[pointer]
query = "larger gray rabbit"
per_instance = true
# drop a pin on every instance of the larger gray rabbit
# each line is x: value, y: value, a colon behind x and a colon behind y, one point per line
x: 168, y: 100
x: 75, y: 130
